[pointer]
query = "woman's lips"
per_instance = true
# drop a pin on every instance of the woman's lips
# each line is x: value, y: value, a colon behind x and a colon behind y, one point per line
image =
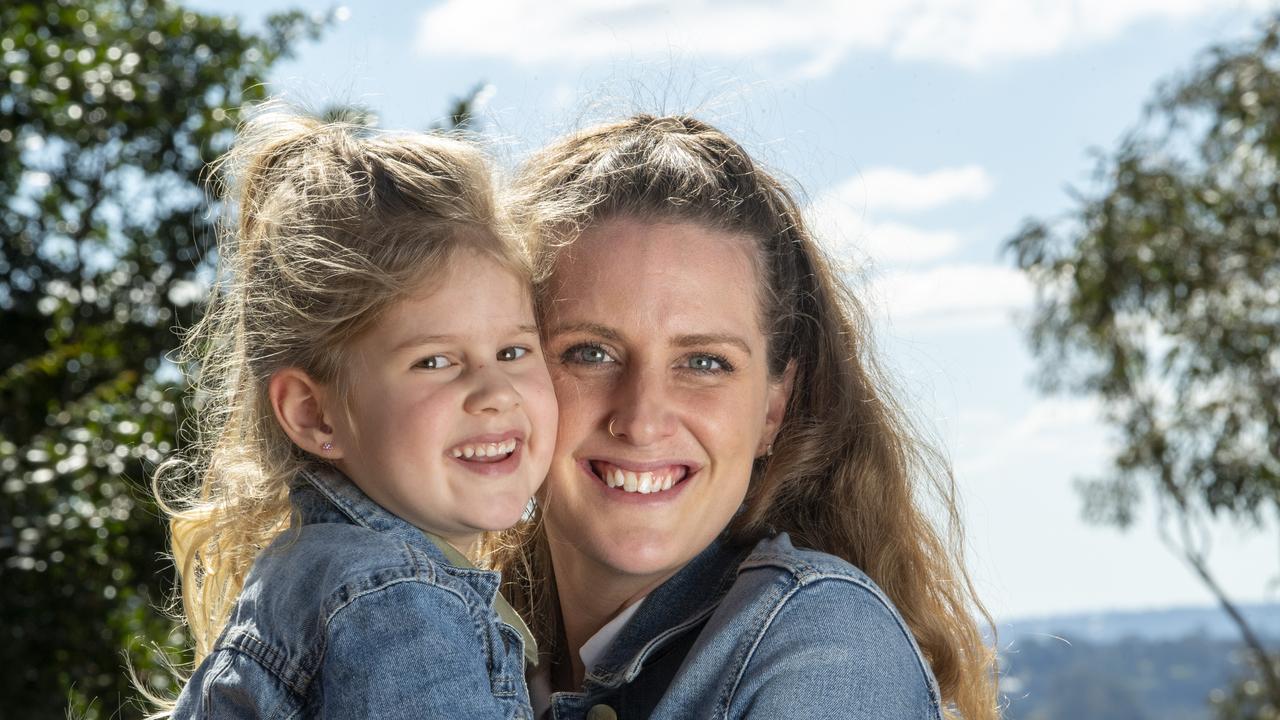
x: 645, y: 479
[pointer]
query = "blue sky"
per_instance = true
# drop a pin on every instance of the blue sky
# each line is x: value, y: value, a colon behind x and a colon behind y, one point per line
x: 921, y: 133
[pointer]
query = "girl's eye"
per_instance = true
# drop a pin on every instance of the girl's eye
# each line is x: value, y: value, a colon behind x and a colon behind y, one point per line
x: 435, y: 362
x: 512, y: 353
x: 708, y: 364
x: 586, y: 354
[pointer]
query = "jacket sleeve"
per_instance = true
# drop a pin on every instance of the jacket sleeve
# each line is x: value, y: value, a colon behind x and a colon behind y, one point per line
x: 835, y: 648
x: 407, y: 650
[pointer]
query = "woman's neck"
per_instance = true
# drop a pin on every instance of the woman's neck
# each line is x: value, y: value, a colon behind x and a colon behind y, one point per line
x: 590, y: 596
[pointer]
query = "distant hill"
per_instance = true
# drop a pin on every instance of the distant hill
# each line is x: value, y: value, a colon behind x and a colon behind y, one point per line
x: 1167, y: 624
x: 1152, y: 665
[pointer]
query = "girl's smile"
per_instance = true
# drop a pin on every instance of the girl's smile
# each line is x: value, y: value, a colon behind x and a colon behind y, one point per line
x: 452, y: 417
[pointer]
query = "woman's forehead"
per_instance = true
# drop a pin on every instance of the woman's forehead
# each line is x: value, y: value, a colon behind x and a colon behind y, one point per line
x: 683, y: 277
x: 676, y: 249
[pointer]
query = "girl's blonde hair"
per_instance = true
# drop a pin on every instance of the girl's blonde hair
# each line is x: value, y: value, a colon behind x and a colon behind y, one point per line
x: 846, y: 463
x: 335, y: 223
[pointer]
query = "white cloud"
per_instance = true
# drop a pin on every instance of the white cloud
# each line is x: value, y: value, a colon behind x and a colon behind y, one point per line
x: 969, y: 33
x: 892, y: 242
x: 952, y: 296
x: 842, y: 215
x: 1052, y: 427
x: 850, y: 236
x: 888, y: 189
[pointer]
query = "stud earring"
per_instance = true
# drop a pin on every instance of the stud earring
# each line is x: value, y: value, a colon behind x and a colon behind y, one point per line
x: 326, y: 446
x: 768, y: 450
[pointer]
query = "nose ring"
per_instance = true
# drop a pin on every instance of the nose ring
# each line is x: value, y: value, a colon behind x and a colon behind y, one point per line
x: 611, y: 432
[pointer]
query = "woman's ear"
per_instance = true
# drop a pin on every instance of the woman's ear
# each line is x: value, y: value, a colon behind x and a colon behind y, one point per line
x: 299, y: 405
x: 776, y: 409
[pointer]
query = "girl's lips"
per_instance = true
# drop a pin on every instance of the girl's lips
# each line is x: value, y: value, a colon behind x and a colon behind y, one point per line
x: 489, y: 445
x: 498, y: 465
x: 490, y: 454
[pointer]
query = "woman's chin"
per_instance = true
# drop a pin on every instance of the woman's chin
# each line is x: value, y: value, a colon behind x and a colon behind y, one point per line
x: 642, y: 557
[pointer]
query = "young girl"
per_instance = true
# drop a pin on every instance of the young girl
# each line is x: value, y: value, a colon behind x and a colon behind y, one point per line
x: 373, y: 400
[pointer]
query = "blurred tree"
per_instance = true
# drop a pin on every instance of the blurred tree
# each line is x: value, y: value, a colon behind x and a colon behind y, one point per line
x: 109, y: 111
x: 1160, y: 294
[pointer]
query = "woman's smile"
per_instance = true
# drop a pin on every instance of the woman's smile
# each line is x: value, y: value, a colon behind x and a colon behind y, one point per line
x: 631, y: 478
x: 660, y: 367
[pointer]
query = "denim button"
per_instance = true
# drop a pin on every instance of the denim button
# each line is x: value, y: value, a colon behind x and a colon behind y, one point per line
x: 601, y: 712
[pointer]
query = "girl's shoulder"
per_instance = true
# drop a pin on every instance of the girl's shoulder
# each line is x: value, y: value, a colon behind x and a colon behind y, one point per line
x: 321, y: 591
x: 317, y: 569
x: 342, y: 615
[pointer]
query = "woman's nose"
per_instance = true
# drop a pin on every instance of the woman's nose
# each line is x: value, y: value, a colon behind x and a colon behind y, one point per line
x: 491, y: 391
x: 642, y: 409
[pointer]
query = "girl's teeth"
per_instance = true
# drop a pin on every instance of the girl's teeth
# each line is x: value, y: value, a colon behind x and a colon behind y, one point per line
x: 483, y: 450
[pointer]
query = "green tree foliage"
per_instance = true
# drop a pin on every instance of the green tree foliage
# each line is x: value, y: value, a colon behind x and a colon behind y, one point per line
x: 109, y: 111
x: 1160, y: 294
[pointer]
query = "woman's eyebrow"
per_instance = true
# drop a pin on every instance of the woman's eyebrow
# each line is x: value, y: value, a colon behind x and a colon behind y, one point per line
x: 589, y: 328
x: 686, y: 341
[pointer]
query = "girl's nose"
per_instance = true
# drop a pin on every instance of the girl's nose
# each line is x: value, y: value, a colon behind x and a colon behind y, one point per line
x: 492, y: 391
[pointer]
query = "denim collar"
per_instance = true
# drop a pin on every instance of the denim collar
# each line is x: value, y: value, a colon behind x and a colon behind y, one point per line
x: 339, y: 496
x: 679, y: 605
x: 323, y: 493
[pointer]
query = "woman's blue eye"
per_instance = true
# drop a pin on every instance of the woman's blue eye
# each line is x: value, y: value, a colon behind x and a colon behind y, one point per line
x: 512, y: 353
x: 708, y: 364
x: 586, y: 355
x: 435, y: 362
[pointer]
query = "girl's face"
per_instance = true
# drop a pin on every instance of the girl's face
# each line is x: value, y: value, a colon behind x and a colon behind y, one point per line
x: 452, y: 417
x: 660, y: 367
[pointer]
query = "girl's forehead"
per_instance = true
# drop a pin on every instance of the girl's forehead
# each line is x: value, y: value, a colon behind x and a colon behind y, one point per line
x: 474, y: 296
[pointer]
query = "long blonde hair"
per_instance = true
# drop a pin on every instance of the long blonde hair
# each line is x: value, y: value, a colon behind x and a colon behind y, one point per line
x: 334, y: 223
x: 846, y: 465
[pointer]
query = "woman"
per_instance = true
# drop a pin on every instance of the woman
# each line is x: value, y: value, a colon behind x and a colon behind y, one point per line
x: 730, y: 527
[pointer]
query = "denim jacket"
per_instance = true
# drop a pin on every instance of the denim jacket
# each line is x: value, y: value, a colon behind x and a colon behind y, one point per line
x: 358, y: 614
x: 770, y: 632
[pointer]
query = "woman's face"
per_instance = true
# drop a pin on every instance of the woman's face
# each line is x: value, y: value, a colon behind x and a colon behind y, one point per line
x: 659, y: 364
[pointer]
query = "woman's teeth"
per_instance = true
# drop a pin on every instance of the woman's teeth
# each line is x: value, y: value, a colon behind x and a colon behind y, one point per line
x: 639, y: 482
x: 484, y: 450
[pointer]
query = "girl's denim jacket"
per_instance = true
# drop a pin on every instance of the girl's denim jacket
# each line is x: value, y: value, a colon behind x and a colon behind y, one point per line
x: 357, y: 614
x: 771, y: 632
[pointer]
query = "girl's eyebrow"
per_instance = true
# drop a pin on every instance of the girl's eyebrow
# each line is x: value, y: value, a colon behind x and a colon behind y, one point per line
x: 417, y: 340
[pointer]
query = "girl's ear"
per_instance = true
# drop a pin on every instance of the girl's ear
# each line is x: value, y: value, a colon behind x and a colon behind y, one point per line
x: 298, y: 402
x: 776, y: 410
